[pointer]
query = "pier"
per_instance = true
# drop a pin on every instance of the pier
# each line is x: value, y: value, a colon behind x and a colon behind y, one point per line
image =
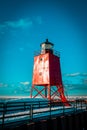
x: 43, y: 115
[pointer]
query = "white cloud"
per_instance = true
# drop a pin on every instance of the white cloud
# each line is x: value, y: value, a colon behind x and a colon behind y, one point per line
x: 84, y: 74
x: 2, y: 26
x: 84, y: 81
x: 76, y: 74
x: 25, y: 83
x: 39, y: 19
x: 3, y: 85
x: 75, y: 87
x: 21, y: 23
x: 73, y: 74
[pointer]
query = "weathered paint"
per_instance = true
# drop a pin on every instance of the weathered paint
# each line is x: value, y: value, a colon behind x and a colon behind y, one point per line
x: 47, y: 70
x: 41, y: 70
x: 55, y: 71
x: 47, y: 73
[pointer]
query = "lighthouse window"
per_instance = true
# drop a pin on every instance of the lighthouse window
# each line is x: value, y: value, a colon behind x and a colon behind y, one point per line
x: 40, y: 73
x: 40, y: 59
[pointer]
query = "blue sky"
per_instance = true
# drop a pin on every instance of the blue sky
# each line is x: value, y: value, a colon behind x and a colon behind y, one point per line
x: 24, y: 24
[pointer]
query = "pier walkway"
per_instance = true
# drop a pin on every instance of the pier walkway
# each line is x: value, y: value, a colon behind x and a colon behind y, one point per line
x: 15, y: 114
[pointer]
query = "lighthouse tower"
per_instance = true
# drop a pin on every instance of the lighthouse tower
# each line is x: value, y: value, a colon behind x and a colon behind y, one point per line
x: 47, y: 80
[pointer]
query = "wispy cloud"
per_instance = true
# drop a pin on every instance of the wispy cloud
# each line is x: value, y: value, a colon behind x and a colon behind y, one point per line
x: 74, y: 87
x: 84, y: 81
x: 83, y: 74
x: 75, y: 74
x: 25, y: 83
x: 3, y: 85
x: 39, y: 19
x: 2, y: 25
x: 72, y: 75
x: 68, y: 86
x: 21, y: 23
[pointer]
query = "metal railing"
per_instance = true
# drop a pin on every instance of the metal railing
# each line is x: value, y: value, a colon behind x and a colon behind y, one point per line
x: 36, y: 53
x: 17, y: 113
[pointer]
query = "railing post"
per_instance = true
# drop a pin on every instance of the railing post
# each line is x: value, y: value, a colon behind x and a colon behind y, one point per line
x: 39, y: 104
x: 50, y: 109
x: 3, y: 117
x: 76, y: 105
x: 81, y: 104
x: 63, y: 109
x: 31, y: 111
x: 86, y: 104
x: 24, y: 106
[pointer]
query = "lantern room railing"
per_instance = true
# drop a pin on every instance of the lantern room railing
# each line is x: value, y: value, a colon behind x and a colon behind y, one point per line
x: 38, y: 52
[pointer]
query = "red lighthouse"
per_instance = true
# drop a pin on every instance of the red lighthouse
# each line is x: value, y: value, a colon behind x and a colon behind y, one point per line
x: 47, y: 80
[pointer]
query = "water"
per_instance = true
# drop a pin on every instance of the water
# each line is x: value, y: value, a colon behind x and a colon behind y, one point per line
x: 5, y: 100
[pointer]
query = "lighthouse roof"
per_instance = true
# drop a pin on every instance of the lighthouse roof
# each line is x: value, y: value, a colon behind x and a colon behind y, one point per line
x: 47, y: 42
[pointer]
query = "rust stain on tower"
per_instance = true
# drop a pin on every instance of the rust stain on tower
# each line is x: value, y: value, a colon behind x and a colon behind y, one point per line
x: 47, y: 74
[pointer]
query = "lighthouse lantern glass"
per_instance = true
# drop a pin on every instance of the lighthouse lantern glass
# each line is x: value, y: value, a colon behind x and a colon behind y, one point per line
x: 47, y: 46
